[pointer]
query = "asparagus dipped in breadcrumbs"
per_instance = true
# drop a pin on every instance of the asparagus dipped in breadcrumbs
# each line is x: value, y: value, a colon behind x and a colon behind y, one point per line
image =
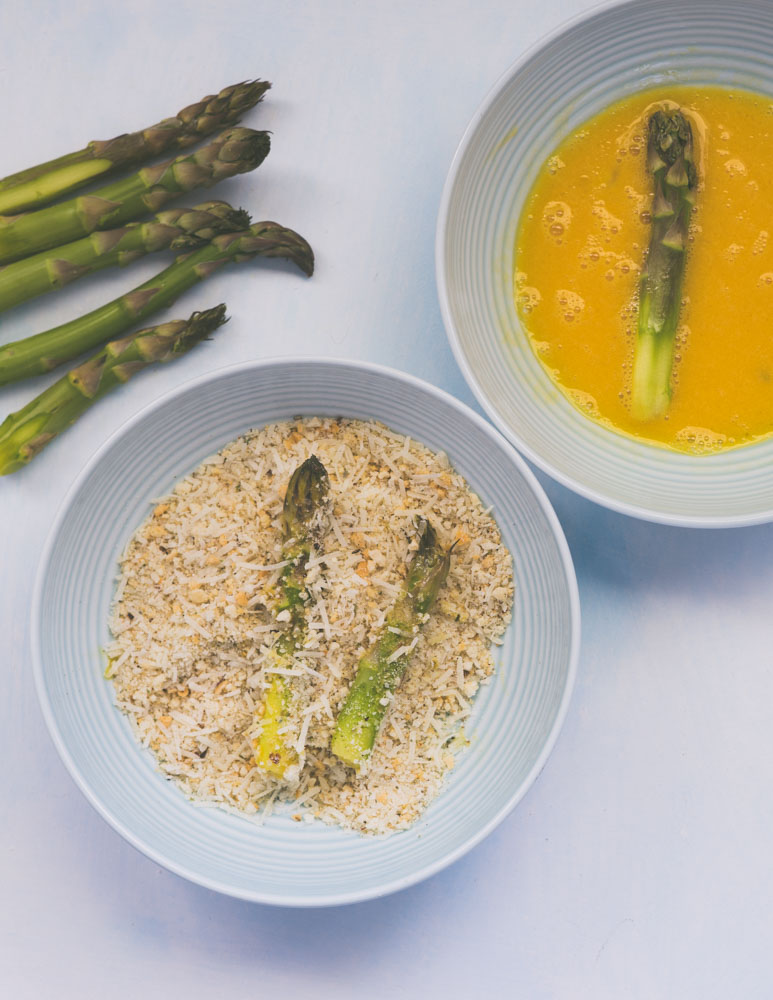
x: 380, y: 670
x: 303, y: 512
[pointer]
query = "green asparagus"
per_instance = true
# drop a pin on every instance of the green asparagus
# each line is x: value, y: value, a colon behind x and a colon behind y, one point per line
x: 670, y: 158
x: 380, y: 670
x: 25, y: 433
x: 172, y: 229
x: 302, y: 514
x: 39, y: 185
x: 43, y: 352
x: 234, y: 152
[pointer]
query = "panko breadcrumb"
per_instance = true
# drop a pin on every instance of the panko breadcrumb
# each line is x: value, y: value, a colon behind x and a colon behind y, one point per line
x: 192, y: 621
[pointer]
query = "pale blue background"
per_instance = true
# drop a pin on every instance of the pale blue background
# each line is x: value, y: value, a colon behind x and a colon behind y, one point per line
x: 639, y: 865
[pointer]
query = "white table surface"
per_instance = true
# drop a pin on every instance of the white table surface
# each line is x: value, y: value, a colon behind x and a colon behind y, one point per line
x: 639, y: 865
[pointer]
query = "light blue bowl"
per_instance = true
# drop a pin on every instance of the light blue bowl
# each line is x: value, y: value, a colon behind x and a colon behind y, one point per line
x: 516, y: 719
x: 608, y: 54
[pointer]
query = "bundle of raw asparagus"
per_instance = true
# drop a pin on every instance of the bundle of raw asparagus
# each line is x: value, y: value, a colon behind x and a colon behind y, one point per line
x: 54, y: 242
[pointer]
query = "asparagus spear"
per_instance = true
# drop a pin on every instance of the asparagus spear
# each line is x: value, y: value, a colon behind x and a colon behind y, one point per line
x: 39, y: 185
x: 172, y: 229
x: 25, y: 433
x: 44, y: 351
x: 670, y: 158
x: 234, y: 152
x: 304, y: 505
x: 380, y: 670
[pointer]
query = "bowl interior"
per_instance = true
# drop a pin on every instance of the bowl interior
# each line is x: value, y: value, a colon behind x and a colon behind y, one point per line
x: 613, y: 53
x: 516, y: 718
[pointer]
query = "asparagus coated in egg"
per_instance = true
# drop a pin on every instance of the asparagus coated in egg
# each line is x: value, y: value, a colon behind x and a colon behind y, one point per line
x: 670, y: 158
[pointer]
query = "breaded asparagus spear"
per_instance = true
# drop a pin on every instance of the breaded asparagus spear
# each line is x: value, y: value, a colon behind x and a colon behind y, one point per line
x: 381, y: 668
x: 302, y: 515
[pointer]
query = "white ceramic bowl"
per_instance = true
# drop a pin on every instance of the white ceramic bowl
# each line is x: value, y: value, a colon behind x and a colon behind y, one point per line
x: 612, y: 52
x: 516, y: 719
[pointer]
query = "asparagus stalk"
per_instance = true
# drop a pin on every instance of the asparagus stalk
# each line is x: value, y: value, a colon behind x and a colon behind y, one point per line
x: 670, y: 158
x: 25, y: 433
x: 39, y: 185
x: 380, y: 670
x: 234, y: 152
x: 172, y: 229
x: 43, y: 352
x: 304, y: 505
